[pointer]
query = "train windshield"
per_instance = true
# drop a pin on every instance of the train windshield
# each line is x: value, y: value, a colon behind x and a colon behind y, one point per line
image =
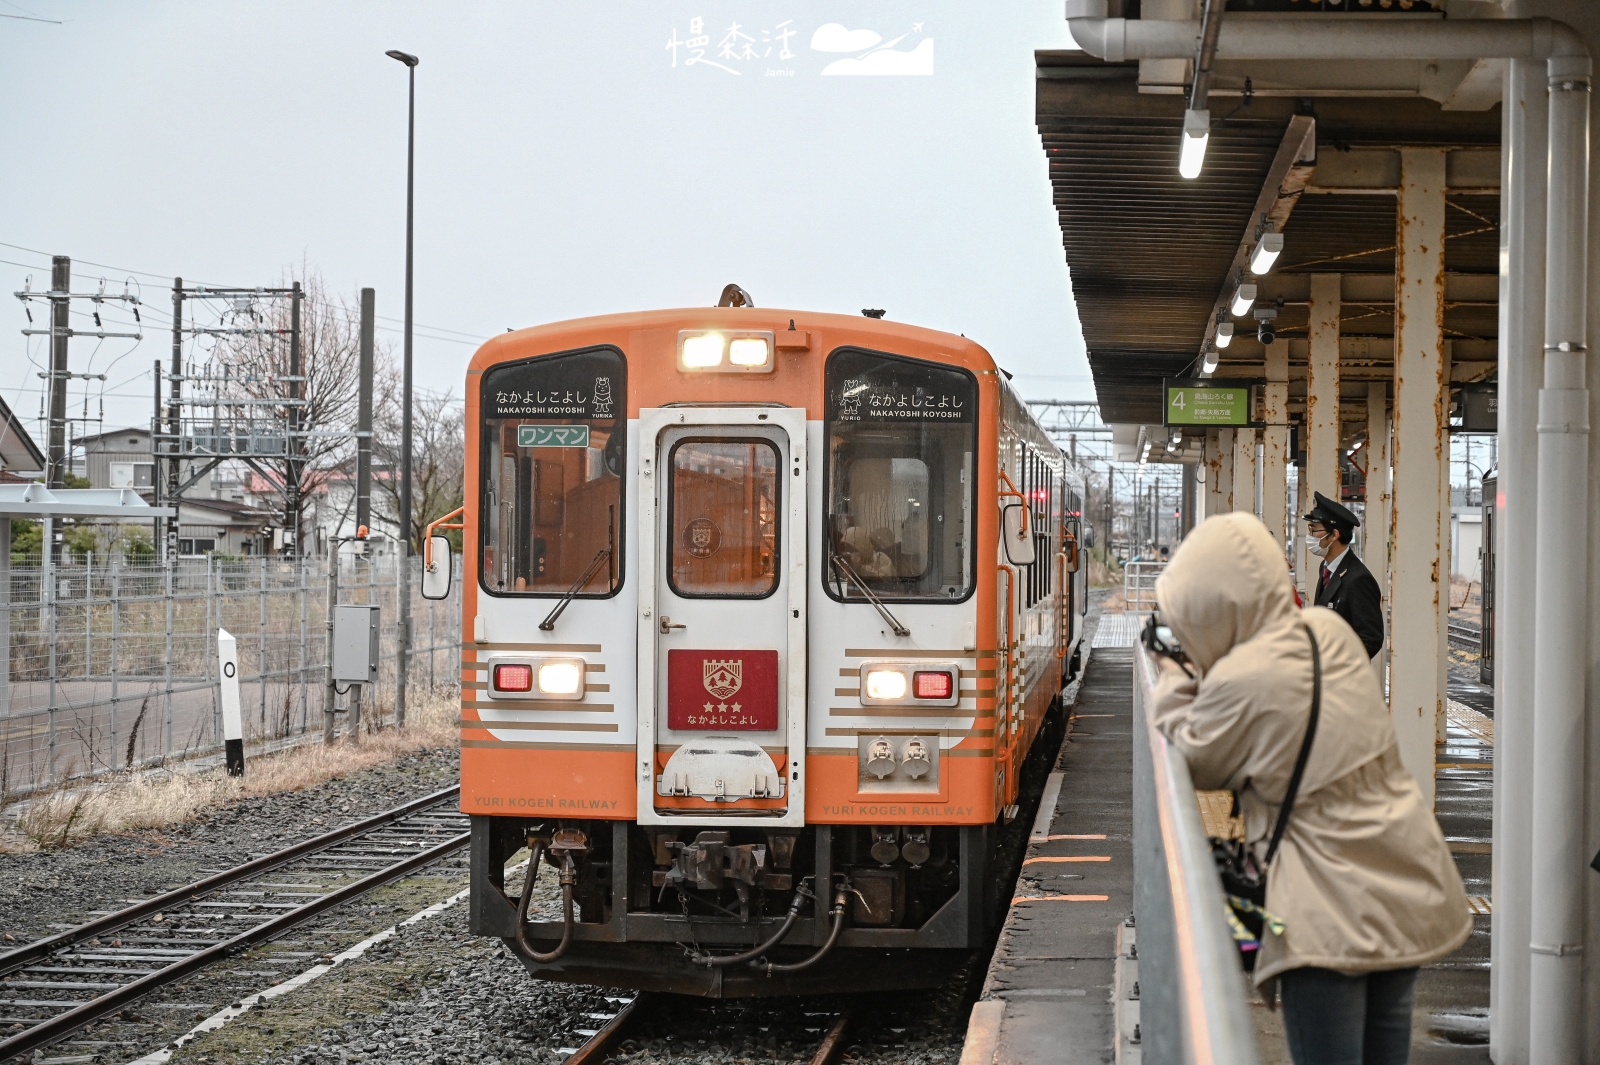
x: 902, y: 436
x: 554, y: 447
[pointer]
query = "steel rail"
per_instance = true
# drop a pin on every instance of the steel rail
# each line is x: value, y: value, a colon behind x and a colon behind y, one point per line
x: 595, y: 1049
x: 834, y: 1043
x: 50, y: 1029
x: 15, y: 959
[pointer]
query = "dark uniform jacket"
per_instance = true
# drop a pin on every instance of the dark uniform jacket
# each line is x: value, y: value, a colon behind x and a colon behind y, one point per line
x: 1352, y: 593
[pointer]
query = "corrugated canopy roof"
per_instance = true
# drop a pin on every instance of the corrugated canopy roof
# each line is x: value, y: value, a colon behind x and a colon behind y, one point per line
x: 1150, y: 252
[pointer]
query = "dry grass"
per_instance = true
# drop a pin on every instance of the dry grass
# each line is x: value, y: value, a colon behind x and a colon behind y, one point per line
x: 156, y: 800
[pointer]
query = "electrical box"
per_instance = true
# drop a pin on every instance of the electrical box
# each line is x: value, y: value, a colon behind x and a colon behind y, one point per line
x: 355, y: 644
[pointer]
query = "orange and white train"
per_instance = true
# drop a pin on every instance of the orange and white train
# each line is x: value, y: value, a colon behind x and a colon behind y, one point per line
x: 762, y: 611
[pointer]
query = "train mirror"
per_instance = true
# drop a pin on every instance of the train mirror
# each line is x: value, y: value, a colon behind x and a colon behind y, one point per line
x: 436, y: 568
x: 1016, y: 534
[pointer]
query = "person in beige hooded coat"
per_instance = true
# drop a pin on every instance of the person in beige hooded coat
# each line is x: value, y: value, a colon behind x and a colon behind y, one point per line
x: 1363, y: 881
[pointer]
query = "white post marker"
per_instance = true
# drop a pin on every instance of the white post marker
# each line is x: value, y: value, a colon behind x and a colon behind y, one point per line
x: 232, y: 721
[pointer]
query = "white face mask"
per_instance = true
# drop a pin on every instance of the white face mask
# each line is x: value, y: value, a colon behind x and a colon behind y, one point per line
x: 1314, y: 546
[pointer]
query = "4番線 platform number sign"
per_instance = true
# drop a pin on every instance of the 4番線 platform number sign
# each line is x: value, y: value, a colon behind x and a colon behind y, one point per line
x: 1207, y: 404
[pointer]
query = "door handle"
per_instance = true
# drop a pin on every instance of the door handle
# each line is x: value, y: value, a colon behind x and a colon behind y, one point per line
x: 667, y: 625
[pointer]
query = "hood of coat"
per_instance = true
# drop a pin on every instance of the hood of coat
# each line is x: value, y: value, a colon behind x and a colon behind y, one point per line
x: 1227, y: 583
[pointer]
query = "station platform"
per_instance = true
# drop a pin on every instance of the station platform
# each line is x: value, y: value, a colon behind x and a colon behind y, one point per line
x: 1062, y: 985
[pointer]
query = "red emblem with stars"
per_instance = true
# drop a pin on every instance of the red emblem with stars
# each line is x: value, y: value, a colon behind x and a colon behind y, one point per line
x: 722, y: 691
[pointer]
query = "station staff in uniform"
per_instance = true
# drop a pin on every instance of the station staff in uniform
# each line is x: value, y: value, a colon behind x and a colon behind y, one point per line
x: 1344, y: 584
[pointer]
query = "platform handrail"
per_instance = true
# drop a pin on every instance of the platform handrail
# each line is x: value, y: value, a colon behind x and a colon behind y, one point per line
x: 1139, y: 584
x: 1194, y: 1001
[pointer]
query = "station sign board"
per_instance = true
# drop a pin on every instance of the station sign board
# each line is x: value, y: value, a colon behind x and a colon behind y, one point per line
x: 1205, y: 402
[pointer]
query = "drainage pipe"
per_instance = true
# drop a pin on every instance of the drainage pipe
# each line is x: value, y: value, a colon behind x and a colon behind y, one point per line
x: 1555, y: 969
x: 1560, y: 622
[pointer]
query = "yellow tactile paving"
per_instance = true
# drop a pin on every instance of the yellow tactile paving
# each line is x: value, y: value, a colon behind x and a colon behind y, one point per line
x: 1464, y: 717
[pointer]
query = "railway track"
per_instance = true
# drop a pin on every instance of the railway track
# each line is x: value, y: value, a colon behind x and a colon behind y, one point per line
x: 1465, y: 634
x: 56, y: 985
x: 619, y: 1028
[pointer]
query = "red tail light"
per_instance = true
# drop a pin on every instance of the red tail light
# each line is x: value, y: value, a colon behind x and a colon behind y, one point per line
x: 933, y: 685
x: 513, y: 678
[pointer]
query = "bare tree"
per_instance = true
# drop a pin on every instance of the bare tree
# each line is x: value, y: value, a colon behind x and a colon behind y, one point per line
x: 438, y: 452
x: 330, y: 364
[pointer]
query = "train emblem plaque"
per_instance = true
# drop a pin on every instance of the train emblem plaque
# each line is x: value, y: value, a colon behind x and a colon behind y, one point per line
x: 727, y: 691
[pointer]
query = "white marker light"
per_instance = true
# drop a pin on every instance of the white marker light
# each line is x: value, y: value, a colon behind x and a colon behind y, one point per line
x: 1243, y: 299
x: 560, y: 678
x: 1267, y: 250
x: 886, y: 684
x: 1196, y: 135
x: 747, y: 351
x: 702, y: 352
x: 1224, y: 334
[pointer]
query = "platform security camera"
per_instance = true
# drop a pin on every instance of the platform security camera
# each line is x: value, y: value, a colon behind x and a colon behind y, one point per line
x: 1266, y: 332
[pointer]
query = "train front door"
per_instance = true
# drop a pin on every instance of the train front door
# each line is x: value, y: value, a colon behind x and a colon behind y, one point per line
x: 722, y: 615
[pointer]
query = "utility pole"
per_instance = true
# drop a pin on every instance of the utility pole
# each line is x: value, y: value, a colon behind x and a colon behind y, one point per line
x: 402, y: 663
x: 60, y: 325
x: 174, y: 442
x: 364, y: 413
x: 291, y: 494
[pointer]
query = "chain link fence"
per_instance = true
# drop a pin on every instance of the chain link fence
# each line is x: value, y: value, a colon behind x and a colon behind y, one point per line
x: 113, y: 664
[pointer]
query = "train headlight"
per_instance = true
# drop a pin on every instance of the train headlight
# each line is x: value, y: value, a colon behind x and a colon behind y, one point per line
x: 885, y: 684
x: 560, y: 678
x: 749, y: 351
x: 700, y: 351
x: 536, y: 677
x: 725, y: 351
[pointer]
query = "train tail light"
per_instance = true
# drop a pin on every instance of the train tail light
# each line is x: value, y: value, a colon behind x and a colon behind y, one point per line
x: 513, y: 677
x: 933, y: 684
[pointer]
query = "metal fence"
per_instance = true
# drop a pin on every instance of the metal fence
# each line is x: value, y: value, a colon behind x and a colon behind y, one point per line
x: 1139, y: 585
x: 113, y: 664
x: 1194, y: 1003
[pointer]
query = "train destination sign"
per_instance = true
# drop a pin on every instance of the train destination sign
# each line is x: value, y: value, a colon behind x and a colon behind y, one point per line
x: 552, y: 436
x: 1206, y: 403
x: 590, y: 384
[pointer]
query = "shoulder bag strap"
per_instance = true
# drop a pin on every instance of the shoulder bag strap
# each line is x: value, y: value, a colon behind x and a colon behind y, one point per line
x: 1305, y: 747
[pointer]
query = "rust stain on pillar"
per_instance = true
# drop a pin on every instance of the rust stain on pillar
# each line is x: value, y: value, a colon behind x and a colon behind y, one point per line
x: 1417, y: 631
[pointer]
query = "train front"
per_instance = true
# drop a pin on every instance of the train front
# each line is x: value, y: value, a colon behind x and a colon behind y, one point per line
x: 728, y: 649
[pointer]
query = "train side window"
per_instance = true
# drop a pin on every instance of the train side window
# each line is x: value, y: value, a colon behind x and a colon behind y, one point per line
x: 901, y: 440
x: 554, y: 448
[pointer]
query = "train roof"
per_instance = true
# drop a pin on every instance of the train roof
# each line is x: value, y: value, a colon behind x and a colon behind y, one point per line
x: 834, y: 330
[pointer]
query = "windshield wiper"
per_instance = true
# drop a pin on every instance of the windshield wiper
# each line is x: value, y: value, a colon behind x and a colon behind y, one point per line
x: 855, y: 578
x: 549, y: 623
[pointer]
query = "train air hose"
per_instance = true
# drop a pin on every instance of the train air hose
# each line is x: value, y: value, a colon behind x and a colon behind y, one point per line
x: 840, y: 898
x: 800, y: 895
x: 569, y: 878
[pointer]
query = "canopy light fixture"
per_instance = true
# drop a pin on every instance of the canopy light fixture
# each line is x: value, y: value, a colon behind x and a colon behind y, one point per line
x: 1196, y: 135
x: 1266, y: 252
x: 1244, y: 297
x: 1224, y: 334
x: 1209, y: 363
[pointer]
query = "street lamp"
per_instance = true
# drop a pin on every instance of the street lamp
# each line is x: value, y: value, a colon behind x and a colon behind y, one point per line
x: 401, y: 663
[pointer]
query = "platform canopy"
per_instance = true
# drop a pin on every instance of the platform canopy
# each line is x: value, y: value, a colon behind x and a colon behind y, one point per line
x: 1316, y: 152
x: 36, y: 501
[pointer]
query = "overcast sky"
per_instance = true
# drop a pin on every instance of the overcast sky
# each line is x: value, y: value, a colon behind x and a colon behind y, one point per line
x: 572, y: 159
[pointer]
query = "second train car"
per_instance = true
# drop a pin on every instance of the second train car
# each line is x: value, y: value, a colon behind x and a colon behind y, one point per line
x: 762, y: 611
